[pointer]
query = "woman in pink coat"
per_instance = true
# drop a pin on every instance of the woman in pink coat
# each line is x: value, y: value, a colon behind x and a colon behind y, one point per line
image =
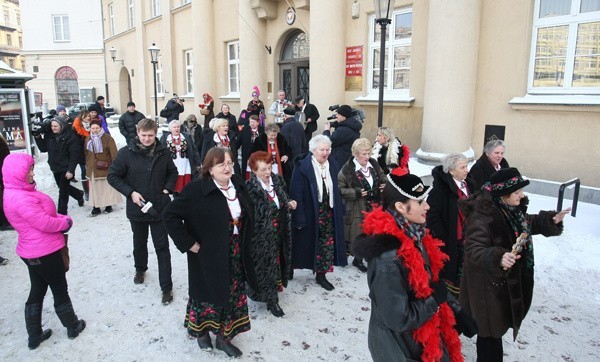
x: 33, y: 215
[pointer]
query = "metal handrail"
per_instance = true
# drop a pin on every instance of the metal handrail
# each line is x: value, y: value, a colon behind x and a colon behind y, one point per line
x: 561, y: 195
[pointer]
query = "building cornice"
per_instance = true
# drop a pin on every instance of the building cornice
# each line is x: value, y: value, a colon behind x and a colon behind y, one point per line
x: 119, y: 35
x: 61, y: 51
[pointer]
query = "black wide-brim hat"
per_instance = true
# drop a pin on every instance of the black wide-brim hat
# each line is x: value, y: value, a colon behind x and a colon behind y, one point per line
x: 408, y: 185
x: 506, y: 181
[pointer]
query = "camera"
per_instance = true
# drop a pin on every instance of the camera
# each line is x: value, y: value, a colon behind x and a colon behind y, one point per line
x: 38, y: 125
x: 357, y: 113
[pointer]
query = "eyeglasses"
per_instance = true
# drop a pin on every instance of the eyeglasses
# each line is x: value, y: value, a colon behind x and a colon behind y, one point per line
x: 224, y: 165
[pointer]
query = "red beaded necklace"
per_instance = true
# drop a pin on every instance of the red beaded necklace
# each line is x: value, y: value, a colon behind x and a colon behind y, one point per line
x: 227, y: 196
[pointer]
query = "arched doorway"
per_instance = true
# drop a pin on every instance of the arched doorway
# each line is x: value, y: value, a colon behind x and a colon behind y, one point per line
x: 67, y: 88
x: 294, y: 70
x: 124, y: 89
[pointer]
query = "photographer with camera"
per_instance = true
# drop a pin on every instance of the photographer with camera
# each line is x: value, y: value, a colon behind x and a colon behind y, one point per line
x: 174, y: 107
x: 347, y: 130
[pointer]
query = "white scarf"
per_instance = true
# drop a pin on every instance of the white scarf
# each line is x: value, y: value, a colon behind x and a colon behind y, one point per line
x: 320, y: 171
x: 391, y: 156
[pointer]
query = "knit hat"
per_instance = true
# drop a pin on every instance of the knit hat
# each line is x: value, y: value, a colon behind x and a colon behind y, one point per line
x: 96, y: 121
x: 289, y: 111
x: 99, y: 98
x: 344, y: 110
x: 408, y: 185
x: 505, y: 181
x: 93, y: 108
x: 61, y: 121
x: 130, y: 104
x: 60, y: 107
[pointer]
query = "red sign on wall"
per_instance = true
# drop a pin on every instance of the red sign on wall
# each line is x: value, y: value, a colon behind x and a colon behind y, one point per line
x: 354, y: 57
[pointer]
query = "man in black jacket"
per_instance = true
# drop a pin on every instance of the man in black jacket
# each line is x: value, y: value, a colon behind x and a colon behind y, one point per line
x: 347, y: 130
x: 174, y: 108
x: 64, y: 152
x: 293, y: 132
x: 248, y: 135
x: 311, y: 115
x: 145, y: 173
x: 128, y: 121
x: 100, y: 104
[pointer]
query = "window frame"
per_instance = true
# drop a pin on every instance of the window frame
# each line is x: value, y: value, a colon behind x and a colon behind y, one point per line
x: 65, y: 37
x: 391, y: 45
x: 572, y: 20
x: 188, y: 60
x: 155, y: 8
x: 160, y: 89
x: 8, y: 39
x: 235, y: 62
x: 131, y: 13
x: 111, y: 18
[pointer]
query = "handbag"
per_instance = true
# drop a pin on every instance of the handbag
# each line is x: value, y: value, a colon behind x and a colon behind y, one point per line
x: 100, y: 165
x: 205, y: 111
x: 165, y: 113
x: 64, y: 252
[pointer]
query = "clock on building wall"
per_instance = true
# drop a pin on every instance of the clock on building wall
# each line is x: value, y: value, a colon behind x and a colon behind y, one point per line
x: 290, y: 16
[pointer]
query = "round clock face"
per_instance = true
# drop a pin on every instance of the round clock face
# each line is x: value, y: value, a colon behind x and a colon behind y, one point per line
x: 290, y: 16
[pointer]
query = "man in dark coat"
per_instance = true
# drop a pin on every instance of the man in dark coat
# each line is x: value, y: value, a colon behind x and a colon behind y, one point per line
x: 145, y: 173
x: 64, y: 152
x: 246, y: 138
x: 347, y: 130
x: 100, y: 105
x: 490, y: 161
x: 311, y: 115
x: 174, y: 108
x: 128, y: 121
x: 293, y: 132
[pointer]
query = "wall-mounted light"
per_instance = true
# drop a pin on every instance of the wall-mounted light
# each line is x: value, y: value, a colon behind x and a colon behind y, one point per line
x: 113, y: 55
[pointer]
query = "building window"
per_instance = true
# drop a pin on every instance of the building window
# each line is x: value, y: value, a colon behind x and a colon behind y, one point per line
x: 565, y: 52
x: 6, y: 16
x: 189, y: 72
x: 20, y: 42
x: 233, y: 63
x: 36, y: 68
x: 11, y: 63
x: 131, y: 14
x: 67, y: 88
x: 18, y: 16
x: 60, y: 24
x: 397, y: 53
x: 8, y: 39
x: 159, y: 79
x: 111, y: 18
x: 155, y: 8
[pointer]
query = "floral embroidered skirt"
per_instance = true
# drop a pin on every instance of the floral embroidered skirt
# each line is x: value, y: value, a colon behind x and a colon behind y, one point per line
x: 325, y: 242
x: 229, y: 320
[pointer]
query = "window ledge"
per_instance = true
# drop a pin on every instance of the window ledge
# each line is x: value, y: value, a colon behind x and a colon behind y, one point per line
x: 390, y: 100
x: 231, y: 97
x: 567, y: 102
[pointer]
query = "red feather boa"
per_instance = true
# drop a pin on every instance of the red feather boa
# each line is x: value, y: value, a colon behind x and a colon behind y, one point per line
x: 441, y: 325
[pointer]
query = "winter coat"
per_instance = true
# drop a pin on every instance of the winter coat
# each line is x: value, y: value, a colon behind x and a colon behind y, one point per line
x: 127, y: 124
x: 293, y: 132
x: 109, y: 153
x: 81, y: 134
x: 310, y: 111
x: 355, y: 203
x: 305, y: 219
x: 174, y: 109
x: 245, y: 142
x: 481, y: 171
x: 149, y: 176
x: 200, y: 214
x: 64, y: 150
x: 209, y: 142
x: 4, y: 151
x: 270, y: 253
x: 442, y: 220
x: 260, y: 144
x: 211, y: 114
x: 231, y: 122
x: 191, y: 153
x: 497, y: 299
x: 395, y: 310
x: 31, y: 212
x: 342, y: 138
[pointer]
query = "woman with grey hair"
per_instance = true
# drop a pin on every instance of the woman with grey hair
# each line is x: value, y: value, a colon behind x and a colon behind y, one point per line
x: 389, y: 151
x: 221, y: 136
x: 361, y: 180
x: 317, y: 223
x: 490, y: 161
x: 275, y: 145
x: 445, y: 220
x: 184, y: 154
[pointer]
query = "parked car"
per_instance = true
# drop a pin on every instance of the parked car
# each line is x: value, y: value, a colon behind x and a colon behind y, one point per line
x: 78, y: 107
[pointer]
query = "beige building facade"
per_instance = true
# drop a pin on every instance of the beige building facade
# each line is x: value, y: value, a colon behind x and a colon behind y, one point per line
x: 456, y: 71
x: 11, y: 34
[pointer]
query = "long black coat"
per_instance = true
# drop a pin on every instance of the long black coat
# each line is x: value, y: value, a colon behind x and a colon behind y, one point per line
x: 497, y: 299
x: 261, y: 144
x: 127, y: 124
x: 481, y: 171
x: 442, y: 220
x: 310, y: 111
x: 64, y: 150
x: 200, y: 214
x: 342, y: 138
x: 270, y: 253
x: 293, y: 132
x: 245, y: 142
x: 133, y: 171
x: 175, y: 109
x: 305, y: 219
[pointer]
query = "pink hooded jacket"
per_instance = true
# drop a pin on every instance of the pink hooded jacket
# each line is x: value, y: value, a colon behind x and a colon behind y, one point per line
x: 31, y: 212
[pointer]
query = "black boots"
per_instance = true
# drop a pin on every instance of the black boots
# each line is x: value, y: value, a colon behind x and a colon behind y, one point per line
x: 86, y: 189
x: 358, y: 263
x: 227, y: 347
x: 323, y: 282
x: 204, y: 342
x: 274, y: 308
x: 69, y: 320
x: 33, y: 323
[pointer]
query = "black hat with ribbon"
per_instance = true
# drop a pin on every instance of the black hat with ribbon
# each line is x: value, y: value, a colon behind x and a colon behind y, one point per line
x: 505, y: 181
x: 408, y: 185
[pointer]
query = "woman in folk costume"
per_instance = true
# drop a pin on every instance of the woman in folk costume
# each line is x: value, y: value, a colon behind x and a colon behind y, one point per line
x: 100, y: 146
x: 411, y: 318
x: 207, y: 103
x: 183, y: 152
x: 389, y: 151
x: 275, y: 145
x: 221, y: 136
x: 255, y: 107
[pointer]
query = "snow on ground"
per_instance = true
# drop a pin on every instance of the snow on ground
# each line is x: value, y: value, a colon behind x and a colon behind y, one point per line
x: 127, y: 322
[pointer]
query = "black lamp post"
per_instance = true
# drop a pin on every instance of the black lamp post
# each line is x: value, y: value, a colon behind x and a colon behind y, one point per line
x: 154, y: 50
x: 382, y: 13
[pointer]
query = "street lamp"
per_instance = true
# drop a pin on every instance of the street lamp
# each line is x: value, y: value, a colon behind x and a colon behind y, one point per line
x: 113, y: 55
x: 382, y: 13
x: 154, y: 50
